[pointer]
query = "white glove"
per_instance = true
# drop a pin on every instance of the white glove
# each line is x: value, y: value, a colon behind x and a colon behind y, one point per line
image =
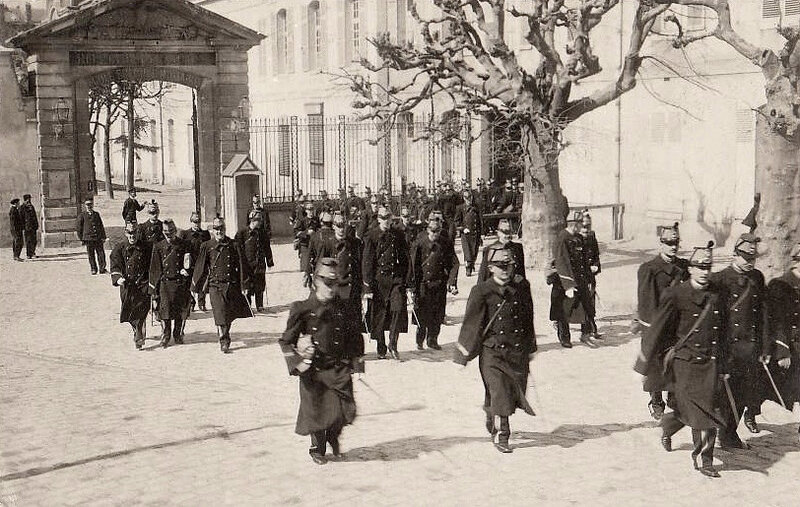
x: 785, y: 363
x: 570, y: 293
x: 305, y: 347
x: 466, y: 231
x: 594, y: 269
x: 410, y: 296
x: 183, y: 272
x: 121, y: 281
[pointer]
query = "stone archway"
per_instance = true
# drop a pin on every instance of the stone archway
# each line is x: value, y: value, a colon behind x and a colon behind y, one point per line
x: 148, y: 40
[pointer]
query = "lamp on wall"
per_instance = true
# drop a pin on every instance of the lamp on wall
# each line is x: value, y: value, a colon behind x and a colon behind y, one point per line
x: 61, y: 115
x: 239, y: 122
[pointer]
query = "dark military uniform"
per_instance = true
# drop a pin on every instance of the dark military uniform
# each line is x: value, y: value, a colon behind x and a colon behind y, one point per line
x: 266, y: 231
x: 783, y: 295
x: 591, y: 258
x: 222, y: 269
x: 504, y: 348
x: 369, y: 221
x: 195, y: 238
x: 316, y: 246
x: 326, y: 388
x: 129, y: 209
x: 17, y: 229
x: 92, y: 234
x: 433, y: 267
x: 170, y: 287
x: 572, y: 274
x: 31, y: 225
x: 253, y: 244
x: 698, y: 361
x: 132, y: 262
x: 151, y: 231
x: 304, y: 228
x: 469, y: 221
x: 384, y: 267
x: 744, y: 294
x: 517, y: 253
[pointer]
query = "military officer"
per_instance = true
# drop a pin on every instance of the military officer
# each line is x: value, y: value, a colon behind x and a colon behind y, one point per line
x: 782, y: 352
x: 222, y: 272
x: 131, y: 206
x: 195, y: 236
x: 92, y: 234
x: 169, y: 283
x: 152, y: 230
x: 352, y: 200
x: 469, y: 223
x: 316, y: 245
x: 504, y: 234
x: 323, y: 346
x: 17, y: 229
x: 384, y: 268
x: 591, y: 252
x: 299, y: 207
x: 432, y: 273
x: 31, y: 225
x: 691, y: 322
x: 253, y: 245
x: 498, y: 328
x: 266, y: 227
x: 744, y: 292
x: 324, y: 205
x: 654, y: 276
x: 369, y: 218
x: 409, y: 229
x: 304, y: 227
x: 130, y: 271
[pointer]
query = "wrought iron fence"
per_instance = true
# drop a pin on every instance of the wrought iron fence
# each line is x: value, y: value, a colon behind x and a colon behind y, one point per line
x: 314, y: 153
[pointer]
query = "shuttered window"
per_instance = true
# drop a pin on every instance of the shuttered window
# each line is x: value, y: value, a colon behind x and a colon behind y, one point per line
x: 284, y: 150
x: 771, y: 9
x: 792, y: 7
x: 316, y: 145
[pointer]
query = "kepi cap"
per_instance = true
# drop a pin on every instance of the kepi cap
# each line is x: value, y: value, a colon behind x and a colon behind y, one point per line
x: 702, y: 256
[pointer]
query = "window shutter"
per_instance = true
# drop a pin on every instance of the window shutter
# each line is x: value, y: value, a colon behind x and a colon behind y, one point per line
x: 792, y: 7
x: 771, y: 9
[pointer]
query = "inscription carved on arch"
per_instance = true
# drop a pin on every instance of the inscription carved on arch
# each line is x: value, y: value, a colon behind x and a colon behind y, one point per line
x: 145, y: 21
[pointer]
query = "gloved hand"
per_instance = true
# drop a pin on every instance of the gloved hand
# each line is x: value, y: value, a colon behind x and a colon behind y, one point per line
x: 410, y: 296
x: 154, y: 304
x: 365, y: 302
x: 306, y: 279
x: 785, y: 363
x: 452, y: 289
x: 765, y: 358
x: 724, y: 376
x: 121, y: 281
x: 466, y: 230
x: 571, y: 293
x: 594, y: 269
x: 183, y: 272
x: 305, y: 347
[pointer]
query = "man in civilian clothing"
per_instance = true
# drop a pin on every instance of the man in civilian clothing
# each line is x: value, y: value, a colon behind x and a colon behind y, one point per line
x: 131, y: 206
x: 92, y: 234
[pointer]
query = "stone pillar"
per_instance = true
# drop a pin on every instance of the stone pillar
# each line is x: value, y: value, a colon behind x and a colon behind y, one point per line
x: 208, y: 147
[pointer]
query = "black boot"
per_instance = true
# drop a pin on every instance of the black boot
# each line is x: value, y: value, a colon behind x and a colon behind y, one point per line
x: 502, y: 435
x: 433, y: 342
x: 318, y: 448
x: 166, y: 333
x: 420, y: 337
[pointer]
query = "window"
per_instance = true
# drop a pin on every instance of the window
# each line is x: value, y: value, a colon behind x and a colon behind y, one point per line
x: 171, y: 140
x: 316, y: 145
x: 744, y: 126
x: 284, y: 150
x: 282, y: 60
x: 771, y: 9
x: 262, y: 48
x: 314, y: 41
x: 355, y: 29
x: 792, y: 7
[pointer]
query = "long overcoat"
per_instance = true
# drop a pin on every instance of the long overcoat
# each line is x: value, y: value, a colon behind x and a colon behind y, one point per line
x: 384, y: 267
x: 166, y: 280
x: 433, y: 266
x: 221, y: 272
x: 783, y: 295
x: 132, y: 262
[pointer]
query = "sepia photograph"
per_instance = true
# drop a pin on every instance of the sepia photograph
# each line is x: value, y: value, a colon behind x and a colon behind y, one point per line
x: 400, y: 252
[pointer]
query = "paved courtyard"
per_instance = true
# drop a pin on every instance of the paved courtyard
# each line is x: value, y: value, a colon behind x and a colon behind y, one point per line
x: 88, y: 420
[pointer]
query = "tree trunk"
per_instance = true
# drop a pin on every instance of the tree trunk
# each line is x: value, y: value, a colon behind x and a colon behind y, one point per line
x: 131, y: 116
x: 107, y: 161
x: 778, y: 181
x: 544, y: 207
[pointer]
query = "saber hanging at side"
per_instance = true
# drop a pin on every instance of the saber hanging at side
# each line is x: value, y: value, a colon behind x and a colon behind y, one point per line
x: 774, y: 387
x: 730, y: 397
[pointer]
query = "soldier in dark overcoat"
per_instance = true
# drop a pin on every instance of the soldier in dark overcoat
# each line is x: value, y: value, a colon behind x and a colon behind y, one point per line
x: 352, y: 200
x: 384, y: 268
x: 170, y: 283
x: 432, y: 273
x: 92, y: 233
x: 196, y: 236
x: 253, y: 245
x: 16, y: 228
x: 591, y: 253
x: 369, y: 218
x: 266, y: 227
x: 469, y: 223
x: 152, y: 230
x: 323, y: 346
x: 498, y: 328
x: 316, y: 245
x: 131, y: 206
x: 654, y: 276
x: 504, y: 234
x: 130, y: 271
x: 304, y: 227
x: 691, y: 320
x: 782, y: 351
x: 222, y: 272
x: 324, y: 205
x: 31, y: 224
x: 407, y: 226
x: 347, y: 252
x: 745, y: 295
x: 572, y: 282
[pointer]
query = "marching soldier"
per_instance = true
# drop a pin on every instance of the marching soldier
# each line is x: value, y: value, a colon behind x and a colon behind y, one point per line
x: 782, y: 353
x: 316, y: 246
x: 195, y: 236
x: 92, y: 234
x: 572, y: 281
x: 169, y: 283
x: 324, y: 205
x: 17, y: 229
x: 744, y: 292
x: 253, y: 245
x: 266, y: 227
x: 369, y: 218
x: 323, y: 346
x: 654, y: 277
x: 384, y: 268
x: 409, y: 229
x: 299, y: 207
x: 432, y: 273
x: 31, y: 224
x: 131, y: 206
x: 222, y: 272
x: 352, y: 200
x: 469, y: 223
x: 304, y: 227
x: 691, y: 323
x: 152, y: 230
x: 504, y: 234
x: 498, y: 328
x: 130, y: 271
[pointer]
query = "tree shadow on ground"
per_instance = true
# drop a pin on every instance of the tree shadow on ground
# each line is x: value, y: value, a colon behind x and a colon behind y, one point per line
x: 612, y: 336
x: 405, y: 448
x: 63, y: 256
x: 429, y: 355
x: 570, y: 435
x: 766, y: 450
x: 242, y: 340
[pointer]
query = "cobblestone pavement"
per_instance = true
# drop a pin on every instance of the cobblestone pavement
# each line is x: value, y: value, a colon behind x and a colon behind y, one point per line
x: 88, y: 420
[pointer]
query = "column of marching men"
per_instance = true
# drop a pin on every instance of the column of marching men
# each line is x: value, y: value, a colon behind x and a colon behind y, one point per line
x: 718, y: 344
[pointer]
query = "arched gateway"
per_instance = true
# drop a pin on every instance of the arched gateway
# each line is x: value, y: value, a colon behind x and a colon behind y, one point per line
x: 143, y: 40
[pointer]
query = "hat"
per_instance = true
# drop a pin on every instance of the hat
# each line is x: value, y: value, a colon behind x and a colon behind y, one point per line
x: 325, y: 271
x: 323, y: 192
x: 308, y: 204
x: 131, y: 189
x: 338, y: 220
x: 218, y: 222
x: 702, y: 256
x: 504, y: 226
x: 325, y: 217
x: 577, y: 217
x: 194, y: 217
x: 26, y: 197
x: 669, y: 234
x: 153, y: 207
x: 130, y: 227
x: 15, y: 200
x: 87, y: 201
x: 499, y: 255
x: 747, y: 245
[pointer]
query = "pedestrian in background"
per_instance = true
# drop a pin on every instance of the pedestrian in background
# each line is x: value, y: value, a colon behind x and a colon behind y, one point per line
x: 131, y: 206
x: 92, y: 234
x: 31, y: 225
x: 17, y: 228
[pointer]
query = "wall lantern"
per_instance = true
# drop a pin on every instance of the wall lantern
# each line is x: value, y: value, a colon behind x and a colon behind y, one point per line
x: 61, y: 115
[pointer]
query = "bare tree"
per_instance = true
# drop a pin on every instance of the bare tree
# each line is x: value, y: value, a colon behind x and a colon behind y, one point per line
x: 464, y: 62
x: 777, y: 126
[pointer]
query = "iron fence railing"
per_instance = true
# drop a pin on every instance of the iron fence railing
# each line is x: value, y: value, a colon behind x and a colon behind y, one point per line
x: 314, y: 153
